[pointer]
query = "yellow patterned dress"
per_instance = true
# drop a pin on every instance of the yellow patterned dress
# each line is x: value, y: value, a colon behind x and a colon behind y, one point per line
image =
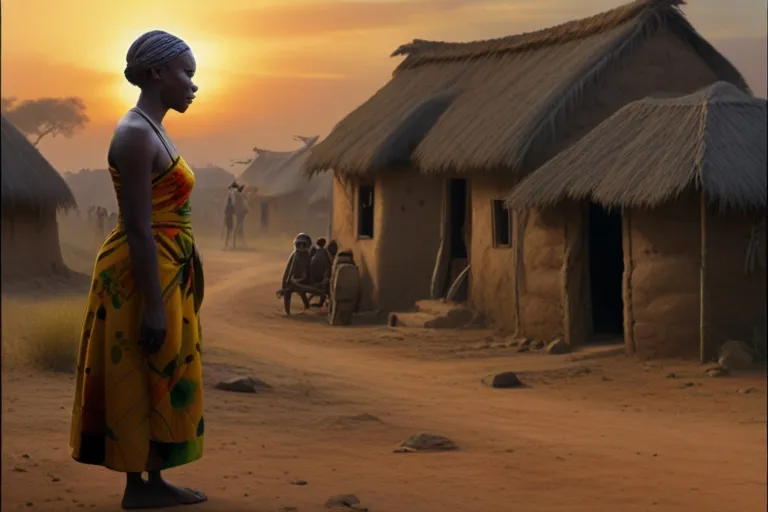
x: 136, y: 412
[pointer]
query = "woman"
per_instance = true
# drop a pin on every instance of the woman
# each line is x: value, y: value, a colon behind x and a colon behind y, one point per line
x: 138, y: 397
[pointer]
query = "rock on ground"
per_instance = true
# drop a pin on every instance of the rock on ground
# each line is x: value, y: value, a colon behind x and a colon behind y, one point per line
x: 342, y: 500
x: 506, y: 380
x: 243, y: 385
x: 717, y: 371
x: 426, y: 442
x: 735, y: 355
x: 558, y: 346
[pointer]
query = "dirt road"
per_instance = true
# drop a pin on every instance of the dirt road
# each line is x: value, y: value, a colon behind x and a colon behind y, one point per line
x: 590, y: 433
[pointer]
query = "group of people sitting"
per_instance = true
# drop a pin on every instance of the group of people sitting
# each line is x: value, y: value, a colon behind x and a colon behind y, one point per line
x: 308, y: 271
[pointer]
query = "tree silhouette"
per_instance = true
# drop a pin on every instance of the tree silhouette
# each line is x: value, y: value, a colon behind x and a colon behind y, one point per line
x: 46, y: 116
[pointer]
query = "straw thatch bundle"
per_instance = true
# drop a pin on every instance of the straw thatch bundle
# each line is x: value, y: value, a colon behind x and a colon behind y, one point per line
x: 275, y: 174
x: 495, y: 104
x: 29, y: 182
x: 653, y: 149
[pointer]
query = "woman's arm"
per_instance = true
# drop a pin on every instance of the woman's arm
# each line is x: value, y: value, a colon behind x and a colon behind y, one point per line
x: 133, y: 155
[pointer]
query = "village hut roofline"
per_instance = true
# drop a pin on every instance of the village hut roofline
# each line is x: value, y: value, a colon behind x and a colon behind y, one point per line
x: 28, y: 179
x: 714, y: 140
x: 492, y: 105
x: 279, y: 173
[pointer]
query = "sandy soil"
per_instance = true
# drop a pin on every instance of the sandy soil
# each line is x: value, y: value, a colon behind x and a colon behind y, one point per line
x: 594, y: 431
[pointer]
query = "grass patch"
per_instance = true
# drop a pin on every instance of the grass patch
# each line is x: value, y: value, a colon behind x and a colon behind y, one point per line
x: 42, y: 335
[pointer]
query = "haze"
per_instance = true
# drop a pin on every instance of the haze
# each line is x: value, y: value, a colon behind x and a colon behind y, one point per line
x: 270, y: 70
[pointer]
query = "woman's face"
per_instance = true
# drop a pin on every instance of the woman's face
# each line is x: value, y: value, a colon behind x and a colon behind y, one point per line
x: 177, y: 89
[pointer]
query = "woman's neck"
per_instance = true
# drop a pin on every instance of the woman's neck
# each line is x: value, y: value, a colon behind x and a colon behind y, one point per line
x: 152, y: 107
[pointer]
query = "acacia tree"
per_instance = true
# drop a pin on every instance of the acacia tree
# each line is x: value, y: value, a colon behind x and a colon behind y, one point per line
x: 46, y: 116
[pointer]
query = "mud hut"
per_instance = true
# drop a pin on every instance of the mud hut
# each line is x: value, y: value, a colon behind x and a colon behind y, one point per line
x: 284, y: 200
x: 661, y: 214
x: 32, y: 193
x: 422, y: 168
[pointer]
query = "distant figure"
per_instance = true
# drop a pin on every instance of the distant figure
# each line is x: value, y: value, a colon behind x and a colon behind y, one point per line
x: 229, y: 214
x: 241, y: 210
x: 138, y: 401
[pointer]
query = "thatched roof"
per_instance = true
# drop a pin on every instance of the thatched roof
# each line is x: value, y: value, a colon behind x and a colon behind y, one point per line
x: 28, y: 179
x: 651, y: 150
x: 274, y: 174
x: 493, y: 104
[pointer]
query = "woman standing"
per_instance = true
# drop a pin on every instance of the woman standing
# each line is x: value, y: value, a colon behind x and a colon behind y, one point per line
x: 138, y: 397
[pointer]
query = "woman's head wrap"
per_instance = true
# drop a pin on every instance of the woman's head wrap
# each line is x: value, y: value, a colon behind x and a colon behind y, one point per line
x: 151, y: 49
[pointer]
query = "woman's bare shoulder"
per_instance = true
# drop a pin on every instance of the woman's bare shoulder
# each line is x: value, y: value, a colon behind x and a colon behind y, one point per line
x: 131, y: 133
x: 133, y: 139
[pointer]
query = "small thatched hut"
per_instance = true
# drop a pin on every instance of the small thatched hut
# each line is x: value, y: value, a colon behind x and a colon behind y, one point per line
x: 677, y: 261
x: 284, y: 200
x: 32, y: 192
x: 422, y: 168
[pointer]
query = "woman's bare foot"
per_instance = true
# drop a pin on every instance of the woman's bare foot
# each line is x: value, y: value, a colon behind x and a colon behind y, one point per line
x: 157, y: 493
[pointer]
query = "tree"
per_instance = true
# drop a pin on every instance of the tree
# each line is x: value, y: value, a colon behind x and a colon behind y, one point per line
x: 46, y: 116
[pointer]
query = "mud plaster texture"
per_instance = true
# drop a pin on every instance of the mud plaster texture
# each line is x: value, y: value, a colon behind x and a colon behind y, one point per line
x: 492, y: 275
x: 665, y: 279
x: 736, y: 300
x: 396, y: 265
x: 30, y: 244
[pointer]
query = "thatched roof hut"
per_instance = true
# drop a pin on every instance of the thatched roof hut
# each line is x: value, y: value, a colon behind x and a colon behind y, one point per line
x: 423, y: 168
x: 686, y: 179
x: 497, y: 104
x: 28, y: 179
x: 32, y: 192
x: 288, y: 199
x: 275, y: 174
x: 652, y: 150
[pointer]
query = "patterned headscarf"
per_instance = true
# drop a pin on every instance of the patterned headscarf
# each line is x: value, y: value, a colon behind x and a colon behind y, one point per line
x: 151, y: 49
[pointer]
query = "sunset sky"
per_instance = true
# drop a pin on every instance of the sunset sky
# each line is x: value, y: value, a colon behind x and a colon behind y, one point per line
x: 268, y: 70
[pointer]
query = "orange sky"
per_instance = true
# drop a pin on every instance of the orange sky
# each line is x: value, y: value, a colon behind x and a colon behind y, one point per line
x: 268, y: 70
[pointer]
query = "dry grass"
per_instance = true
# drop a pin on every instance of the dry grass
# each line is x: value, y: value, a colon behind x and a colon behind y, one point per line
x: 41, y: 335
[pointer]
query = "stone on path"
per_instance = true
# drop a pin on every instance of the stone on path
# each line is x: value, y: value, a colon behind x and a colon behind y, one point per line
x: 506, y: 380
x: 735, y: 355
x: 717, y: 371
x: 558, y: 346
x: 342, y: 500
x: 426, y: 442
x: 243, y: 385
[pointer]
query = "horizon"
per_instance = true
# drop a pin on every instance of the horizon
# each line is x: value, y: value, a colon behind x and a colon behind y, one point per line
x: 271, y: 71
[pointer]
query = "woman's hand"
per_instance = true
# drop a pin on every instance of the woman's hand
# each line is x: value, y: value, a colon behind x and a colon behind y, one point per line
x: 153, y: 329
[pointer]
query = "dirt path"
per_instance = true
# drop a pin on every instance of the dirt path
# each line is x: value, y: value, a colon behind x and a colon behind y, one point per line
x: 588, y: 435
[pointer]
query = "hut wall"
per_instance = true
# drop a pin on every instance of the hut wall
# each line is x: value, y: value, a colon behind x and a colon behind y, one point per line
x: 736, y: 299
x: 408, y: 220
x: 663, y: 64
x: 30, y: 244
x: 665, y: 279
x: 540, y: 278
x: 492, y: 277
x: 396, y: 265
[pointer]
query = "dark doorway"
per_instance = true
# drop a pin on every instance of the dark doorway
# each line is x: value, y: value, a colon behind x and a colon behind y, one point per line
x: 606, y: 268
x: 458, y: 217
x: 264, y: 215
